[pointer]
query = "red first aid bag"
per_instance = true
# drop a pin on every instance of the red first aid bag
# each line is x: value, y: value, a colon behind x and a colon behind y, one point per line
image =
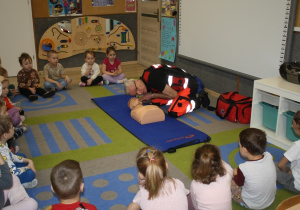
x: 234, y: 107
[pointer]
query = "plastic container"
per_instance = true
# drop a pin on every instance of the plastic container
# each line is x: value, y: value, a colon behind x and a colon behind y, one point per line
x: 270, y: 114
x: 290, y: 134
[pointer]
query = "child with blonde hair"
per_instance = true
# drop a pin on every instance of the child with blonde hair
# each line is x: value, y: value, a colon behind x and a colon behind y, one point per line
x: 157, y: 189
x: 111, y: 67
x: 90, y: 71
x: 210, y: 188
x: 288, y: 174
x: 55, y: 77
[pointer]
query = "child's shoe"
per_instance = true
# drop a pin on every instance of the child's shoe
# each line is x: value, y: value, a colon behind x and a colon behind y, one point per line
x: 100, y: 83
x: 106, y: 82
x: 53, y: 89
x: 24, y: 127
x: 121, y: 81
x: 31, y: 184
x: 33, y: 98
x: 48, y: 94
x: 82, y: 84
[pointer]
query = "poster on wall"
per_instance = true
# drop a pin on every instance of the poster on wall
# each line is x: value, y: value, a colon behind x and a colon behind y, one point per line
x: 168, y: 8
x: 102, y: 3
x: 130, y: 5
x: 168, y: 39
x: 65, y: 7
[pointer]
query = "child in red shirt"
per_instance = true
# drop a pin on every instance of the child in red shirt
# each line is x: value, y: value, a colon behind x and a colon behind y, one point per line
x: 69, y: 191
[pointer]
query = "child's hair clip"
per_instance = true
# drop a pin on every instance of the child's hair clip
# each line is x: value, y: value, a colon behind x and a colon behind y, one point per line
x: 147, y: 151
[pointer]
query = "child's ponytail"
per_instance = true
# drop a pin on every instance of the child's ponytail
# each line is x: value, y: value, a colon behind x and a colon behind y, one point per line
x: 152, y: 165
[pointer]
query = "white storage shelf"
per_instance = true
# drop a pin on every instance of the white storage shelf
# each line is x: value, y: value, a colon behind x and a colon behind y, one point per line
x: 278, y: 92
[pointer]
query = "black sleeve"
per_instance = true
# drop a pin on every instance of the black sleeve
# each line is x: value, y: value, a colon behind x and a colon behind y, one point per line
x: 157, y: 80
x: 6, y: 177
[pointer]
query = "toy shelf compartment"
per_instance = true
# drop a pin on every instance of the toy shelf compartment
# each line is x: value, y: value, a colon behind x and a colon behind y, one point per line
x: 269, y: 94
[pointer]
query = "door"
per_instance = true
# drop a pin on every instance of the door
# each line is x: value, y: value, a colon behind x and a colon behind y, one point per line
x: 16, y: 34
x: 149, y: 19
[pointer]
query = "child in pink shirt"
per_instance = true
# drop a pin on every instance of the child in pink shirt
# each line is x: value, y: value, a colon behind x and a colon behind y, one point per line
x: 111, y: 68
x: 157, y: 189
x: 210, y: 188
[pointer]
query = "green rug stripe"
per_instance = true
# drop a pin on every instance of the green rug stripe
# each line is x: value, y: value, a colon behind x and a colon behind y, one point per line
x: 231, y: 157
x: 98, y: 91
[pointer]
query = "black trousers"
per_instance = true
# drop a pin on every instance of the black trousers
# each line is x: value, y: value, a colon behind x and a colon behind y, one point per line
x: 27, y: 92
x: 94, y: 82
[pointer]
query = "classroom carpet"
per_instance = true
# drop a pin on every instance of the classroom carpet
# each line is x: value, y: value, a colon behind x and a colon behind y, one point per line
x: 80, y: 130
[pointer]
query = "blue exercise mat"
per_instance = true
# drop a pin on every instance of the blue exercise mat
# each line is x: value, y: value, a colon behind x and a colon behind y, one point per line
x: 166, y: 136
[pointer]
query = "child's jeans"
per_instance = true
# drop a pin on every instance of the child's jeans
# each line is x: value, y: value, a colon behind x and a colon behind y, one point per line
x: 49, y: 85
x: 286, y: 179
x: 27, y: 175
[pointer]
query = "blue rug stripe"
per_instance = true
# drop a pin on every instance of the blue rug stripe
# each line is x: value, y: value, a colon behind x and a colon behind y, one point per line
x: 196, y: 115
x: 49, y: 138
x: 32, y: 144
x: 213, y: 115
x: 66, y: 135
x: 188, y: 121
x: 98, y: 130
x: 82, y: 132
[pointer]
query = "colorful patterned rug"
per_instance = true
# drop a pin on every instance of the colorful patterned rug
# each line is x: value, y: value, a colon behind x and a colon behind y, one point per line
x: 75, y: 128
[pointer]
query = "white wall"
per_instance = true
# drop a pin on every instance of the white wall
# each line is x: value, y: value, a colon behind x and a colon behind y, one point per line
x: 16, y: 34
x: 244, y: 36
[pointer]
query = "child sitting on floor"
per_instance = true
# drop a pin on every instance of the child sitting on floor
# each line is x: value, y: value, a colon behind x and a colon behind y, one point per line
x: 111, y: 68
x: 90, y: 71
x: 67, y: 183
x: 54, y: 75
x: 19, y: 130
x: 157, y: 189
x: 289, y: 174
x: 20, y: 166
x: 29, y: 81
x: 11, y: 190
x: 254, y: 182
x: 210, y: 188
